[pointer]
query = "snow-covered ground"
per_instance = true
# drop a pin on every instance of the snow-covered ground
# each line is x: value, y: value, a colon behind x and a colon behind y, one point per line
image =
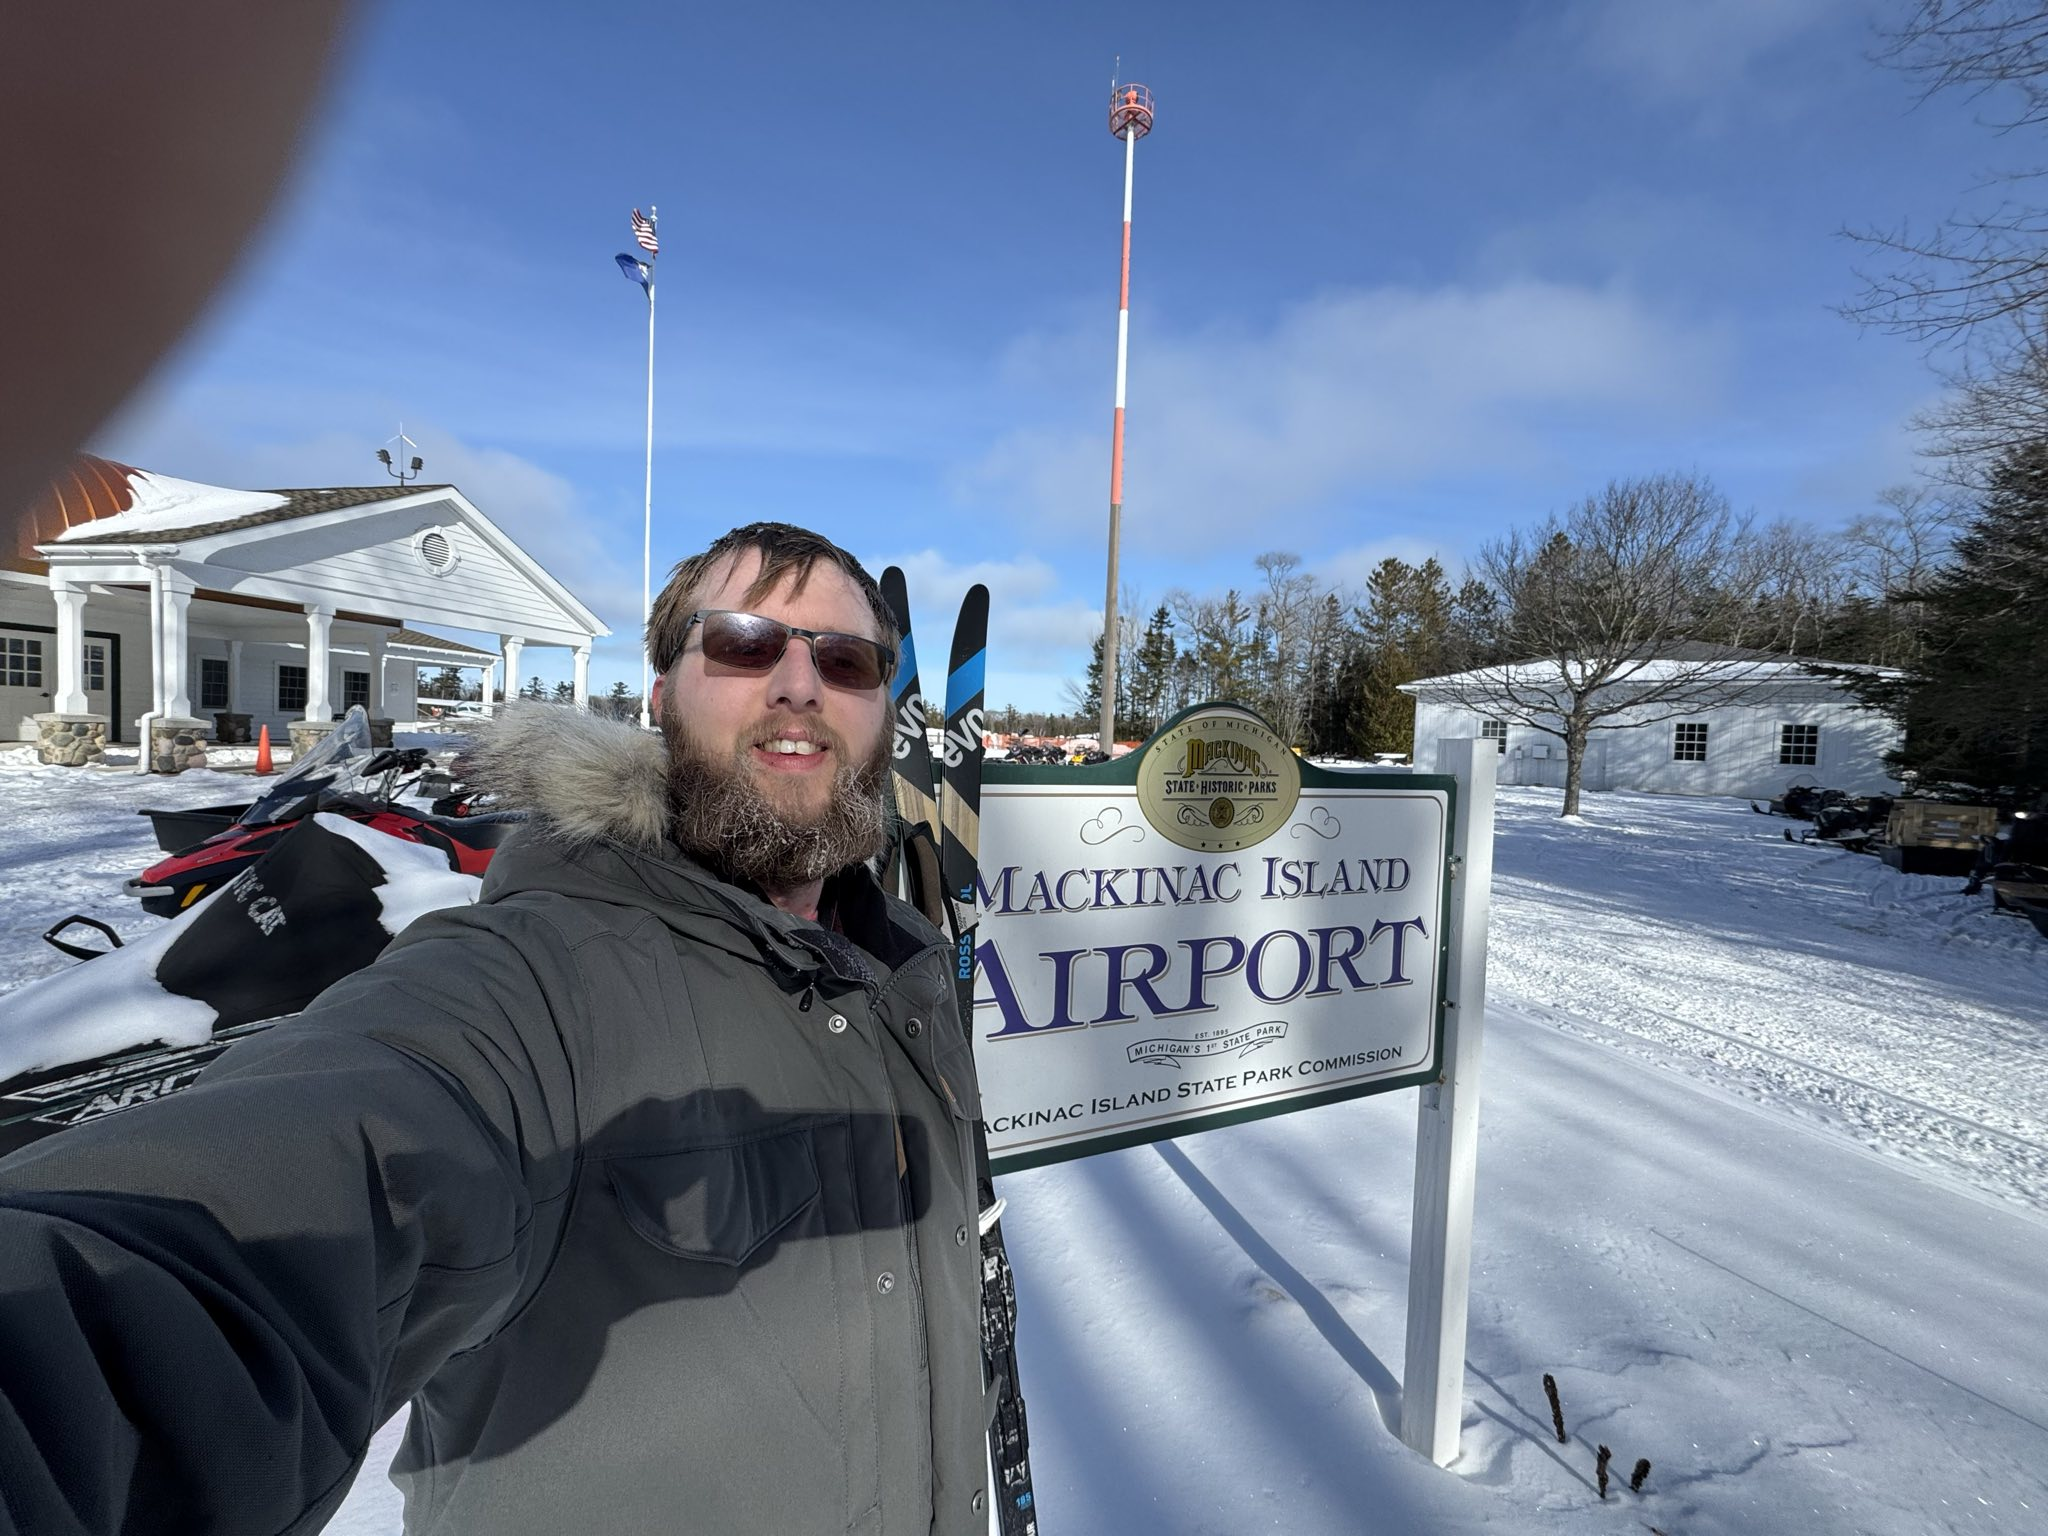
x: 1763, y: 1164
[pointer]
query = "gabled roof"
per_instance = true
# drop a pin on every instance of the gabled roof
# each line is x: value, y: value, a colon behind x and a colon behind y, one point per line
x: 1727, y: 665
x: 99, y: 514
x: 176, y: 516
x: 102, y: 501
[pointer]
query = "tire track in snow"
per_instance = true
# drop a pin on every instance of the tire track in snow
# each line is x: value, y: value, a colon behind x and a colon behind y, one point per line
x: 1995, y: 1161
x: 1885, y: 1008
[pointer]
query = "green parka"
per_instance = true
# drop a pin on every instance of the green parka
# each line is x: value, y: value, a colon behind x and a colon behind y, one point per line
x: 655, y: 1202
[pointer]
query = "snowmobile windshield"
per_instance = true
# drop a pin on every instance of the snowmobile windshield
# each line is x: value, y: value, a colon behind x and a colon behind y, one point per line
x: 327, y: 768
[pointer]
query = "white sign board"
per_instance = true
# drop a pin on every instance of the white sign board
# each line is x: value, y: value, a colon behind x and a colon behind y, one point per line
x: 1212, y: 932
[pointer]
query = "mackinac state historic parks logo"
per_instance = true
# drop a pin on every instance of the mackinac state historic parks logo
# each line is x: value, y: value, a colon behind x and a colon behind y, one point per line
x: 1219, y: 781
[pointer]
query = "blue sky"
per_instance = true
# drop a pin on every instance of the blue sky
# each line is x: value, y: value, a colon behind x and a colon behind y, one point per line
x: 1402, y: 278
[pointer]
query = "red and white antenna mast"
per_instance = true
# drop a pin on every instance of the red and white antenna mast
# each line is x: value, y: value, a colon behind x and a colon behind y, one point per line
x: 1130, y: 119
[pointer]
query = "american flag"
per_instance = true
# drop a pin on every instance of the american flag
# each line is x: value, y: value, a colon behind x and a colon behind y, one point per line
x: 643, y: 231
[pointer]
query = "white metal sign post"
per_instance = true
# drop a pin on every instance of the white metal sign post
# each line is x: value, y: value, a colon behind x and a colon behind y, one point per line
x: 1212, y: 931
x: 1447, y: 1131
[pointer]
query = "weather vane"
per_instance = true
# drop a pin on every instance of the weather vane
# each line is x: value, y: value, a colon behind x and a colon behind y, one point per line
x: 404, y: 474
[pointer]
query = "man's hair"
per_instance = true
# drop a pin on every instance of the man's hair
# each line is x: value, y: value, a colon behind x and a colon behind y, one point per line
x: 785, y: 550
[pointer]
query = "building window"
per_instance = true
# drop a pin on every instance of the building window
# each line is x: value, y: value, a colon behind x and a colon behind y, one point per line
x: 355, y: 689
x: 21, y: 662
x: 1799, y: 745
x: 1495, y: 731
x: 291, y: 686
x: 95, y: 667
x: 213, y: 682
x: 1689, y: 743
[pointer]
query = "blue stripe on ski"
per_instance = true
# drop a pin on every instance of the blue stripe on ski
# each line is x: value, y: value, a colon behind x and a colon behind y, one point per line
x: 965, y: 682
x: 906, y: 669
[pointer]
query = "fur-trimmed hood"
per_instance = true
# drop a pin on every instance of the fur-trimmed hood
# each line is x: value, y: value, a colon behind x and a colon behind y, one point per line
x: 596, y: 793
x: 582, y: 777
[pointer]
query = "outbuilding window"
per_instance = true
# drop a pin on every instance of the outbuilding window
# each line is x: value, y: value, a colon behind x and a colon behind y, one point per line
x: 1689, y: 743
x: 1799, y: 745
x: 355, y: 689
x: 1495, y: 731
x: 291, y: 686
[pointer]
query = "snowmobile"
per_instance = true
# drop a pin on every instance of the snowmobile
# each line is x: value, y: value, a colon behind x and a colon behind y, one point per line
x: 1841, y: 820
x: 320, y: 900
x: 2014, y: 863
x: 1800, y: 800
x: 343, y: 776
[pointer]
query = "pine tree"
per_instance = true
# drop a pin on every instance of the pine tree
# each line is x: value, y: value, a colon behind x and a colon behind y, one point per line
x: 444, y: 684
x: 1152, y: 676
x: 1974, y: 705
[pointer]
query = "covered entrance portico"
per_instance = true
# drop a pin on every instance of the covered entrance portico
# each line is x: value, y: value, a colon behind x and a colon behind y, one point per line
x: 284, y: 608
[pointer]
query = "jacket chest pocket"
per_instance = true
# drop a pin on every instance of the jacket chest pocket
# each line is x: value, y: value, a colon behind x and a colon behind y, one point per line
x: 751, y: 1305
x: 720, y: 1204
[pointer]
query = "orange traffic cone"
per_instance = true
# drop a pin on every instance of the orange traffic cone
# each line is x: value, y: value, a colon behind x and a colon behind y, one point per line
x: 263, y: 751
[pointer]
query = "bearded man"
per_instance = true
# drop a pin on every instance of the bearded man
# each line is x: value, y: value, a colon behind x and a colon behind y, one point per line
x: 648, y: 1180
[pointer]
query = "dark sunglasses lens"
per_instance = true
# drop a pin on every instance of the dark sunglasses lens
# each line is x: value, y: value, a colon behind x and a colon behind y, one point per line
x: 848, y: 661
x: 744, y: 640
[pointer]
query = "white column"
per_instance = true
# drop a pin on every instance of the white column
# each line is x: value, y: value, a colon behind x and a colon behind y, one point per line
x: 490, y: 686
x: 177, y: 651
x: 156, y: 641
x: 513, y: 645
x: 69, y: 698
x: 319, y: 626
x: 376, y: 704
x: 1447, y: 1131
x: 235, y: 677
x: 582, y: 677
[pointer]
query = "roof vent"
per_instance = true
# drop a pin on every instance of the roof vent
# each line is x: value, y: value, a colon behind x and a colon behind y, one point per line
x: 435, y: 550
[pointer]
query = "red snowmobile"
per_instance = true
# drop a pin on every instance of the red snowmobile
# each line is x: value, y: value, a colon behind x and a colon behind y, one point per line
x: 343, y: 776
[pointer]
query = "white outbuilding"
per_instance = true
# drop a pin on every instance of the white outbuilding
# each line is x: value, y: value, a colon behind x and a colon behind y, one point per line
x: 138, y: 604
x: 1750, y: 725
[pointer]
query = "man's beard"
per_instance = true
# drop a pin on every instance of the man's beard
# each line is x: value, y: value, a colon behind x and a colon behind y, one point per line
x: 719, y: 813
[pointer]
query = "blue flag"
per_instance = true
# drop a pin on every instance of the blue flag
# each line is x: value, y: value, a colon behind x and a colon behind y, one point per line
x: 636, y: 271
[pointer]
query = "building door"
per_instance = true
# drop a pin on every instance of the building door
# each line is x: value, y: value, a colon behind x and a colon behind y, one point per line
x: 99, y: 682
x: 27, y: 676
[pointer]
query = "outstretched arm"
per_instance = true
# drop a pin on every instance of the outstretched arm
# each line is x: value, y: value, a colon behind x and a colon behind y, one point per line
x: 208, y: 1304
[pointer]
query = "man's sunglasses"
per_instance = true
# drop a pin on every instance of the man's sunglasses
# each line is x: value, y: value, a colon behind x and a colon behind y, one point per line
x: 754, y: 644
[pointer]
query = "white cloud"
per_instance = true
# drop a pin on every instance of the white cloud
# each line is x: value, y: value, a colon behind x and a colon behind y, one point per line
x: 1236, y: 436
x: 1692, y: 52
x: 1039, y: 634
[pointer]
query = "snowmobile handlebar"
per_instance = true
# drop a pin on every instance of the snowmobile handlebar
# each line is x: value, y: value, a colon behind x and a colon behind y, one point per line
x: 79, y: 951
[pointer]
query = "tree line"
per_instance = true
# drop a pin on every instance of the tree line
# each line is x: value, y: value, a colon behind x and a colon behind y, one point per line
x: 1644, y: 565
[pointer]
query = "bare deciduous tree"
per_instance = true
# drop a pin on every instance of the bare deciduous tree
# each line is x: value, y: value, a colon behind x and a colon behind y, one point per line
x: 1288, y: 612
x: 1603, y: 612
x: 1975, y: 289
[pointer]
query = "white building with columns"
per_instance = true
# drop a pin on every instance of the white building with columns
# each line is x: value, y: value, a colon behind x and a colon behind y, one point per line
x: 136, y: 599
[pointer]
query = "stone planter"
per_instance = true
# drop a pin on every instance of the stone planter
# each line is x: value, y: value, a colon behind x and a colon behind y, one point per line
x: 71, y: 741
x: 308, y: 734
x: 176, y: 744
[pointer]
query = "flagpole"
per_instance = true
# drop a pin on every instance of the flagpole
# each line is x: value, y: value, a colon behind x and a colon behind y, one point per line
x: 647, y: 525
